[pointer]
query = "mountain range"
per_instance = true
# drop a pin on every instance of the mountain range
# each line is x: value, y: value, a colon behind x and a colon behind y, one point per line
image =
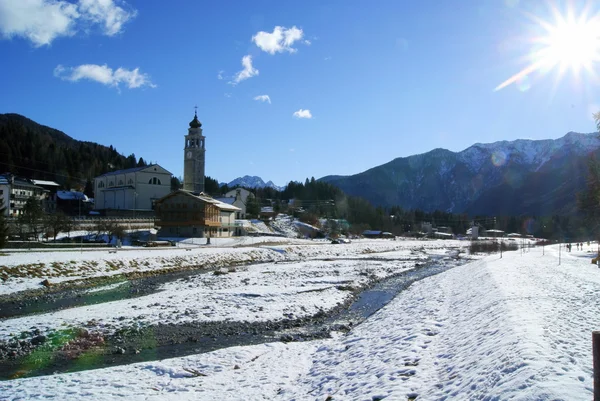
x: 521, y: 177
x: 251, y: 182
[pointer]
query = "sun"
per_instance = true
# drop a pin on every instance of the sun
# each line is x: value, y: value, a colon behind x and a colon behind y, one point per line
x: 570, y: 43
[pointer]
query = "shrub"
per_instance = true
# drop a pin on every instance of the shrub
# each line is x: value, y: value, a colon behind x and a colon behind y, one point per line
x: 491, y: 246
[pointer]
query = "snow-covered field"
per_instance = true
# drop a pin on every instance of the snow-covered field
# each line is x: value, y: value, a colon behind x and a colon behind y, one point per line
x: 26, y: 270
x: 301, y: 287
x: 514, y: 328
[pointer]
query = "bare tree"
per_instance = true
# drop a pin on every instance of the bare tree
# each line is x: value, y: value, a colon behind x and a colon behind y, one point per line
x: 57, y: 223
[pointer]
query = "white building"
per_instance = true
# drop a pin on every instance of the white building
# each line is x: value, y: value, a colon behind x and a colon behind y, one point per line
x: 238, y: 197
x: 131, y: 189
x: 15, y: 191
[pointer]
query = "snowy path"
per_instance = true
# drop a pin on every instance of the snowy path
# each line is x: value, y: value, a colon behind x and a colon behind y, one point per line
x: 514, y: 328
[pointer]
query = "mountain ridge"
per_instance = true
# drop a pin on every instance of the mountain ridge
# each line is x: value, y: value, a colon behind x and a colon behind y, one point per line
x: 253, y: 181
x: 464, y: 181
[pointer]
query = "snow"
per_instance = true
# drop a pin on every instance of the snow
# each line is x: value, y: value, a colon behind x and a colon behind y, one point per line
x: 517, y: 327
x: 263, y: 292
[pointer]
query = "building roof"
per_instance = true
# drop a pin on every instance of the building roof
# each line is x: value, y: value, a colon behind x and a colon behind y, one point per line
x: 195, y: 123
x: 4, y: 180
x: 72, y: 195
x: 203, y: 197
x: 229, y: 200
x: 46, y: 183
x: 124, y: 171
x: 225, y: 206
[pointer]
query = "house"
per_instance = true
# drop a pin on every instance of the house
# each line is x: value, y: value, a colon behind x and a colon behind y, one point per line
x: 49, y: 201
x: 377, y: 234
x: 266, y: 212
x: 186, y: 214
x: 73, y: 203
x: 494, y: 233
x: 134, y: 189
x: 238, y: 197
x: 15, y: 191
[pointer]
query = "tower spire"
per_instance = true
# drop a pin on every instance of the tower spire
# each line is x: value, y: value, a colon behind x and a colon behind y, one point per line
x: 195, y: 123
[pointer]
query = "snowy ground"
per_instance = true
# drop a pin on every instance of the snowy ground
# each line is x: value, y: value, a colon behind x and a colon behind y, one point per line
x: 514, y: 328
x: 262, y: 292
x: 25, y: 270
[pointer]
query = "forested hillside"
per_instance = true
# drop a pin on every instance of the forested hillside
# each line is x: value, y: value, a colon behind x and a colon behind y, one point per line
x: 36, y: 151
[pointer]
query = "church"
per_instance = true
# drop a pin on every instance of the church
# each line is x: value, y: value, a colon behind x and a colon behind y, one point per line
x: 189, y: 212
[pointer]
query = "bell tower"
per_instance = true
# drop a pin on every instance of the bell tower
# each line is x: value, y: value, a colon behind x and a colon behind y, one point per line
x: 193, y: 156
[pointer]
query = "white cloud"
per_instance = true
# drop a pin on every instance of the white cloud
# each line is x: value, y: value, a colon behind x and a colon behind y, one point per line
x: 263, y: 98
x: 227, y: 94
x: 247, y: 72
x: 106, y: 13
x: 280, y: 40
x: 220, y: 74
x: 42, y: 21
x: 303, y: 114
x: 104, y: 75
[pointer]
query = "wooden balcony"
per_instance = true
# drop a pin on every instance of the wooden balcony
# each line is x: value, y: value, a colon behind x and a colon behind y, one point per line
x: 181, y: 223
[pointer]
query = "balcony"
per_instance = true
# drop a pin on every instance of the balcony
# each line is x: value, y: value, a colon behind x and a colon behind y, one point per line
x: 19, y: 196
x: 235, y: 224
x: 179, y: 223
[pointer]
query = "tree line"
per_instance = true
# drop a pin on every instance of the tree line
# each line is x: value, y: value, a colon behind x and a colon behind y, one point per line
x: 35, y: 151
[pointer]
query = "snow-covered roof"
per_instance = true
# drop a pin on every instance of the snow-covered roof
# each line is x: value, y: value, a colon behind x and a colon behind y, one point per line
x: 225, y: 206
x: 71, y: 195
x: 46, y: 183
x: 494, y: 231
x: 228, y: 199
x: 372, y: 232
x: 266, y: 209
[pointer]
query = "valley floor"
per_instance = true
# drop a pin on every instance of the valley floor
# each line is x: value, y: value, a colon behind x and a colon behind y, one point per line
x: 513, y: 328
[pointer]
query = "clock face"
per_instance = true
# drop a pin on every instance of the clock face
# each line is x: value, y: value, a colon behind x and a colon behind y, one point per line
x: 189, y: 155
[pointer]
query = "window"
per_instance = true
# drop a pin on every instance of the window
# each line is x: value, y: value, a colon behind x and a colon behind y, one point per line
x: 111, y: 184
x: 154, y: 181
x: 120, y: 182
x: 130, y: 182
x: 101, y: 184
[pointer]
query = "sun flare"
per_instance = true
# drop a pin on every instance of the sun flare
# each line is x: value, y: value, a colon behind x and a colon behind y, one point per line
x: 571, y: 43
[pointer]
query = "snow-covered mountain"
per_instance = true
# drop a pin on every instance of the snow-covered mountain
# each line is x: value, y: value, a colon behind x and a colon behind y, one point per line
x: 506, y: 177
x: 251, y: 182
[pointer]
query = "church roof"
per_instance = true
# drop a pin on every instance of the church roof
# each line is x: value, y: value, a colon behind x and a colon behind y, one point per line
x: 195, y: 123
x: 125, y: 171
x: 133, y: 170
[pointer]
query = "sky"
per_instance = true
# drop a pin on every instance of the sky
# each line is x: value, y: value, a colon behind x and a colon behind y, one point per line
x: 293, y: 90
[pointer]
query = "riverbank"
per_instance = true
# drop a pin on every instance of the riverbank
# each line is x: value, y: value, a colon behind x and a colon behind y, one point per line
x: 512, y: 328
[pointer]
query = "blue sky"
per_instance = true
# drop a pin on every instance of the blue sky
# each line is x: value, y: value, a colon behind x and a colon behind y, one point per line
x: 379, y: 80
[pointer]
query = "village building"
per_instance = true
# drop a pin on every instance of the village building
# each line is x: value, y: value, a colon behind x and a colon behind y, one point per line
x: 238, y: 197
x: 73, y: 203
x: 135, y: 189
x: 15, y: 191
x: 190, y: 212
x: 186, y: 214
